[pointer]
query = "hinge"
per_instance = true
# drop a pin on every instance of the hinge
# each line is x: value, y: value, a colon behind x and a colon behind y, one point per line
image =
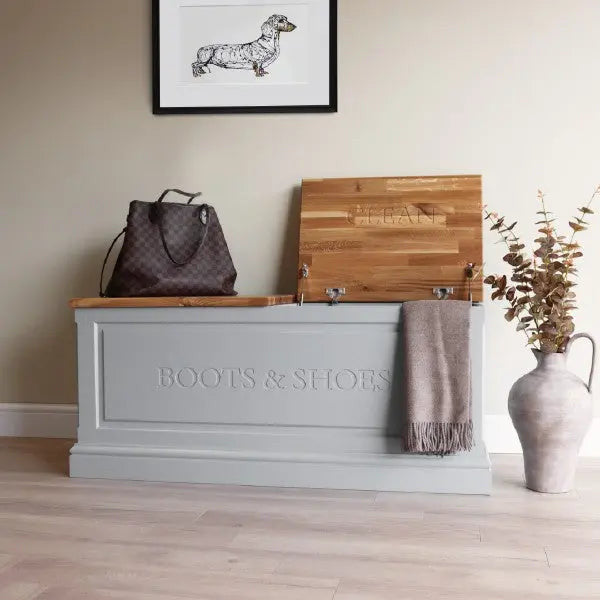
x: 442, y: 293
x: 335, y: 294
x: 304, y: 273
x: 470, y: 273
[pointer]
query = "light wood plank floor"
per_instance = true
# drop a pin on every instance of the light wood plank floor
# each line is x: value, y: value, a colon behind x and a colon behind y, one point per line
x: 69, y: 539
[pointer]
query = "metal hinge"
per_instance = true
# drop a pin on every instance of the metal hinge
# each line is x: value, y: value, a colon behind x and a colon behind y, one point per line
x: 442, y: 293
x: 304, y: 273
x: 335, y: 294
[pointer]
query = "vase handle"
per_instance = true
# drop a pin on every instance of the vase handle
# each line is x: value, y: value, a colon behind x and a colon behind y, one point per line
x: 589, y: 337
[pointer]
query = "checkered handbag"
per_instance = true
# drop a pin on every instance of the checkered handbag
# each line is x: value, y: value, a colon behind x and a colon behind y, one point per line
x: 171, y: 249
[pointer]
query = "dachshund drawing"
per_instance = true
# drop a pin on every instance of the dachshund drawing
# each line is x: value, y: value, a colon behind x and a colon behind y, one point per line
x: 254, y: 55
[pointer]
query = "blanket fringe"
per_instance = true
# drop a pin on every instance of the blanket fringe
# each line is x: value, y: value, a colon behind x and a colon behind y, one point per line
x: 438, y: 438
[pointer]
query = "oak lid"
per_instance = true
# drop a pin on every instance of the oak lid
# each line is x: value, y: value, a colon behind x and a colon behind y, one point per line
x: 156, y: 302
x: 389, y: 239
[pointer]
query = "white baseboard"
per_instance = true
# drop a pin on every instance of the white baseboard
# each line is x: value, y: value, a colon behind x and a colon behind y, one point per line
x: 38, y: 420
x: 501, y: 438
x: 60, y: 421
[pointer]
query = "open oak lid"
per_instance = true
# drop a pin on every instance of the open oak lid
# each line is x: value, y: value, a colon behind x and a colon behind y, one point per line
x: 389, y: 239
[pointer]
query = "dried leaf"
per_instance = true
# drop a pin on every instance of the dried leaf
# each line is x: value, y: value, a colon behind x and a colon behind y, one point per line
x: 522, y: 266
x: 547, y: 346
x: 548, y: 328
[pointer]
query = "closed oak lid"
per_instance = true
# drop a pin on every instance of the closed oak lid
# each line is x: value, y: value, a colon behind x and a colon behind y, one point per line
x: 189, y: 301
x: 390, y: 239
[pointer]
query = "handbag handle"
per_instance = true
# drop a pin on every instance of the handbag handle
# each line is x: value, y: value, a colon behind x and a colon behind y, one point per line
x: 189, y: 195
x: 589, y: 337
x: 102, y: 292
x: 199, y: 243
x: 158, y: 217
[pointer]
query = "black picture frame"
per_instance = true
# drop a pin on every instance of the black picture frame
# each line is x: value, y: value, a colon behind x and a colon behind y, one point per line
x: 157, y: 109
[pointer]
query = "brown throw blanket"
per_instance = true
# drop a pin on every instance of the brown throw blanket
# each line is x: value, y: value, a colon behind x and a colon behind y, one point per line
x: 437, y: 376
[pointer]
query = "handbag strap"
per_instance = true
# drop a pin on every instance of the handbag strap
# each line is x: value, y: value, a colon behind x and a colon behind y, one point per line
x: 203, y: 210
x: 189, y: 195
x: 102, y: 293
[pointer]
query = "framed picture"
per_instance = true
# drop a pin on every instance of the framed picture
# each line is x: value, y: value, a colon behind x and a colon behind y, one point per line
x: 236, y: 56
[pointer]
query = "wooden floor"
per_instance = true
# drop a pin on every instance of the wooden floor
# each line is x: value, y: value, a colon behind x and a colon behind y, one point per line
x: 67, y: 539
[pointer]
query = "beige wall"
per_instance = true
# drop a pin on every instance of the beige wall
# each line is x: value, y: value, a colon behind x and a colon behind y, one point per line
x: 507, y: 89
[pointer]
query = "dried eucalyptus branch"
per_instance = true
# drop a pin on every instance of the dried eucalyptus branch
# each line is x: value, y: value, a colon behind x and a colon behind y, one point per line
x: 542, y: 297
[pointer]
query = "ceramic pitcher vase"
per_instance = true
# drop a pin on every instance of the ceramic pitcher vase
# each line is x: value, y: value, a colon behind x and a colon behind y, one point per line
x: 551, y: 409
